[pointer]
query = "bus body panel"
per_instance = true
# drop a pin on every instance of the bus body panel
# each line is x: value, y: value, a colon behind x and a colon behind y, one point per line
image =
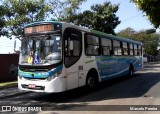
x: 73, y: 75
x: 117, y: 66
x: 90, y: 63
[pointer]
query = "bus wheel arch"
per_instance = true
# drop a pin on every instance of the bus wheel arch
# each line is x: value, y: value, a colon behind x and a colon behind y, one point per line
x: 92, y: 78
x: 131, y: 70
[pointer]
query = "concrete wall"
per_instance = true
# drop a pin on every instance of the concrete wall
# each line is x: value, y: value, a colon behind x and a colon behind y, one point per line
x: 8, y: 67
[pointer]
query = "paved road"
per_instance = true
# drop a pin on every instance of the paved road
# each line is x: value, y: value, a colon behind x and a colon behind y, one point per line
x: 142, y: 89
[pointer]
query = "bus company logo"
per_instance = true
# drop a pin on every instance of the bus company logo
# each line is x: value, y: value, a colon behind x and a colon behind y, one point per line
x: 20, y: 109
x: 6, y: 108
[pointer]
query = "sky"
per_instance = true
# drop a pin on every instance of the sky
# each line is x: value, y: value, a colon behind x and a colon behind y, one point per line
x: 128, y: 14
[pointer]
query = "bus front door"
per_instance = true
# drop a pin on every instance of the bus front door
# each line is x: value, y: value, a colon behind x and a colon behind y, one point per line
x: 72, y: 55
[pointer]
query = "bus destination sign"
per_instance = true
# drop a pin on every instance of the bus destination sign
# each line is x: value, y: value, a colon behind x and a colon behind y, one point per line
x: 41, y: 28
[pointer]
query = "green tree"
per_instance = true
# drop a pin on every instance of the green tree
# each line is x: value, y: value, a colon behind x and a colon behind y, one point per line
x: 128, y: 32
x: 151, y: 9
x: 2, y: 21
x: 150, y: 41
x: 19, y: 12
x: 101, y: 17
x: 63, y: 11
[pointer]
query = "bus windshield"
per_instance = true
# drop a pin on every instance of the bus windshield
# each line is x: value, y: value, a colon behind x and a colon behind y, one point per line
x: 41, y: 50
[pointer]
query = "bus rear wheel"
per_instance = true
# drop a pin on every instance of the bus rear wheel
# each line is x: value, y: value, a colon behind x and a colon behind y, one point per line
x: 131, y: 71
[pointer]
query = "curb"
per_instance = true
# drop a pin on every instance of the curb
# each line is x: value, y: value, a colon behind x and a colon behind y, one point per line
x: 8, y: 86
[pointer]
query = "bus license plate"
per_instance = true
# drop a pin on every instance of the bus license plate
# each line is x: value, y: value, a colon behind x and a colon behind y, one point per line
x: 31, y: 86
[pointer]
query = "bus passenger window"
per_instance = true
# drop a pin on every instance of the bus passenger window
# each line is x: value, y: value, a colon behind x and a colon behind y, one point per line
x: 131, y: 49
x: 117, y: 47
x: 92, y: 45
x: 93, y: 50
x: 139, y: 50
x: 125, y: 48
x: 135, y: 49
x: 106, y: 46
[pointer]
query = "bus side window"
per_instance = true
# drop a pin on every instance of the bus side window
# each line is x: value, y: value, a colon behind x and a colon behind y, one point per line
x: 92, y: 45
x: 135, y: 49
x: 125, y: 48
x: 139, y: 50
x: 117, y: 47
x: 131, y: 49
x: 106, y: 46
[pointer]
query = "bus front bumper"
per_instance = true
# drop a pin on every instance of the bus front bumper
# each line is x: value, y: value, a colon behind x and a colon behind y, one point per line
x: 54, y: 86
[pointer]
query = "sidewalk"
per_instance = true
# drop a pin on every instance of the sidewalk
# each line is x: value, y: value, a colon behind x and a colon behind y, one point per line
x: 152, y: 63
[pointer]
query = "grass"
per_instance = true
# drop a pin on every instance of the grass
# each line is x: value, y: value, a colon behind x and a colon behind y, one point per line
x: 8, y: 84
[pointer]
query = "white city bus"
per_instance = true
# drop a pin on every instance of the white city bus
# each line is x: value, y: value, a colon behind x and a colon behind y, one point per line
x: 58, y: 56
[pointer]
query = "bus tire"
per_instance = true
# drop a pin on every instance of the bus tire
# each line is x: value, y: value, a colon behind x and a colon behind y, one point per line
x: 131, y: 70
x: 92, y: 80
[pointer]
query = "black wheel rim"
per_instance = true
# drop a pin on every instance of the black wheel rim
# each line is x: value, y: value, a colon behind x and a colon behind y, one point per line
x: 91, y: 82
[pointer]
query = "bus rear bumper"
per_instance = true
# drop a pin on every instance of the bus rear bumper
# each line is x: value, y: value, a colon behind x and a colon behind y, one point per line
x: 54, y: 86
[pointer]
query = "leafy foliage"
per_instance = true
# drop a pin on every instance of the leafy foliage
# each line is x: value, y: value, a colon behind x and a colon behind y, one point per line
x: 2, y: 21
x: 150, y: 41
x: 151, y: 8
x: 128, y: 32
x: 16, y: 13
x: 63, y: 11
x: 19, y: 12
x: 101, y: 17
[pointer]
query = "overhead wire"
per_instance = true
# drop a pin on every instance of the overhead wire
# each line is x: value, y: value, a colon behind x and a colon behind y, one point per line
x: 130, y: 18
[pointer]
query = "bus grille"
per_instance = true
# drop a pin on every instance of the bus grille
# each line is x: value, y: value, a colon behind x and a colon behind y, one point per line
x: 33, y: 70
x: 34, y: 79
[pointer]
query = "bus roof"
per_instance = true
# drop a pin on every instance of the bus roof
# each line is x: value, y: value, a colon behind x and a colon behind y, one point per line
x: 85, y: 29
x: 115, y: 37
x: 41, y: 22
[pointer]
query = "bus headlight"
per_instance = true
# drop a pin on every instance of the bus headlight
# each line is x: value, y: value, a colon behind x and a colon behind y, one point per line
x: 50, y: 78
x: 55, y: 75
